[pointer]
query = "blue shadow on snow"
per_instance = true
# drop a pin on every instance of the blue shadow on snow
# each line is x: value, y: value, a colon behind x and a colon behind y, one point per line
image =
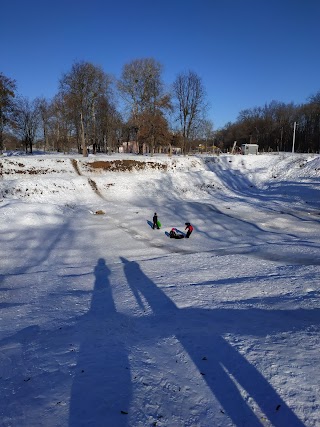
x: 200, y: 333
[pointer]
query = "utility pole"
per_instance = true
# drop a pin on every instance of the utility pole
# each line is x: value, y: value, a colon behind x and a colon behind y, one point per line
x: 294, y: 135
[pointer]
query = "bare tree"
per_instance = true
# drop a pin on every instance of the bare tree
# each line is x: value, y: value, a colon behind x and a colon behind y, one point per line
x: 143, y: 92
x: 61, y: 123
x: 84, y: 85
x: 190, y: 96
x: 44, y: 112
x: 108, y: 125
x: 7, y: 94
x: 27, y: 120
x: 153, y: 130
x: 205, y: 133
x: 139, y: 83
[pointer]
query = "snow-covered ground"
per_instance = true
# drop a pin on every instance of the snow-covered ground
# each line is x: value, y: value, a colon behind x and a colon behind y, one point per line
x: 106, y: 322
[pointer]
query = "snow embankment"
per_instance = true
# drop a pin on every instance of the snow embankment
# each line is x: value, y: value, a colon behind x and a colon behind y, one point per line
x: 75, y: 179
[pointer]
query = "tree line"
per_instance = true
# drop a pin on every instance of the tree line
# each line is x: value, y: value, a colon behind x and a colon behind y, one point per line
x: 85, y: 111
x: 93, y: 109
x: 276, y: 127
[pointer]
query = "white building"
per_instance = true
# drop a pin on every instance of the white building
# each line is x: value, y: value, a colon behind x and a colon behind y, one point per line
x: 249, y: 149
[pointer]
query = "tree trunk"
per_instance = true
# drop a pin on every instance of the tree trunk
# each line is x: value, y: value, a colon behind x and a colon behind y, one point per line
x: 83, y: 141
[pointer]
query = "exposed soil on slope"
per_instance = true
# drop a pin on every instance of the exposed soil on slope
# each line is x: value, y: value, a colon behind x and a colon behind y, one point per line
x: 11, y: 167
x: 124, y: 165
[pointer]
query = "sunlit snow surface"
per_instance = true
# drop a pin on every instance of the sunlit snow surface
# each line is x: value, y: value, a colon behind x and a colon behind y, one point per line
x: 106, y: 322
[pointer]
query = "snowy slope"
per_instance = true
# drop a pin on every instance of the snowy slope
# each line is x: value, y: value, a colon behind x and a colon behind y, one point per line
x: 107, y: 322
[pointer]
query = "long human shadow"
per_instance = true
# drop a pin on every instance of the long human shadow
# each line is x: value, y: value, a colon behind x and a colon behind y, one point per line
x: 101, y: 390
x: 200, y: 331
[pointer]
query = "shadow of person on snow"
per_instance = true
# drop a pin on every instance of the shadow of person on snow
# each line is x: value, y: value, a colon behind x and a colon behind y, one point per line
x: 222, y: 367
x: 102, y: 385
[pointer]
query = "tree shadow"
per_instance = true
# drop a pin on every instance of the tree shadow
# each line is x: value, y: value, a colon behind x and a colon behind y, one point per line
x: 225, y: 370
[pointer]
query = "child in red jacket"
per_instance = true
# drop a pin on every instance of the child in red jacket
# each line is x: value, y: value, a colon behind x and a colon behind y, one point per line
x: 189, y: 228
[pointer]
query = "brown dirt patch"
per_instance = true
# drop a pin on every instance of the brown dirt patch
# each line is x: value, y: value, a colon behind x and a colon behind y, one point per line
x: 124, y: 165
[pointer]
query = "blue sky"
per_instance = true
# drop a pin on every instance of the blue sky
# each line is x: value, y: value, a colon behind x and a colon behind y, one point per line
x: 247, y: 52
